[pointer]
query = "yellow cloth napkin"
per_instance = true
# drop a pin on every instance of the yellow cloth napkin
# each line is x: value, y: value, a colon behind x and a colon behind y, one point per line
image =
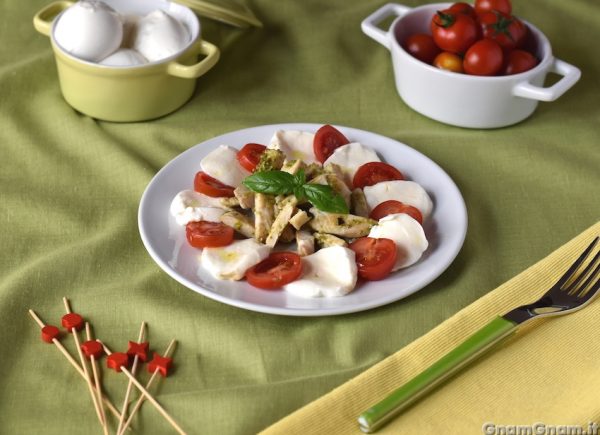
x: 548, y: 373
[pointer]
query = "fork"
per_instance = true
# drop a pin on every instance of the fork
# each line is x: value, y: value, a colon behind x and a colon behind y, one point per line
x: 574, y: 290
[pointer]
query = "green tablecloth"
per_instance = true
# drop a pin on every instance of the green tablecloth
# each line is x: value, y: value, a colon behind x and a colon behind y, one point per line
x: 70, y: 188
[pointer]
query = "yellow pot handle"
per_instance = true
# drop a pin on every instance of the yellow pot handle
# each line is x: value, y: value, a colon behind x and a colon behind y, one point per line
x: 42, y: 21
x: 194, y: 71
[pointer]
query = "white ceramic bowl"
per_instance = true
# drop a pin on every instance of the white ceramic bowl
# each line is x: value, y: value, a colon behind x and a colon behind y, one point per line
x: 460, y: 99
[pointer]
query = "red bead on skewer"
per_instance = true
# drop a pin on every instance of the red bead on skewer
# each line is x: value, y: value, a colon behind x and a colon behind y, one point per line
x: 72, y: 320
x: 92, y: 348
x: 116, y: 360
x: 138, y: 349
x: 163, y: 364
x: 49, y: 333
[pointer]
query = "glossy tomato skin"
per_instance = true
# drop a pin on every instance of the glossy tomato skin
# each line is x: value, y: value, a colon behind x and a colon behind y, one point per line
x: 375, y: 258
x: 375, y: 172
x: 205, y: 234
x: 422, y: 46
x: 275, y: 271
x: 327, y: 139
x: 508, y: 31
x: 449, y: 62
x: 393, y: 207
x: 210, y: 186
x: 464, y: 8
x: 519, y: 61
x: 484, y: 58
x: 503, y: 6
x: 249, y: 155
x: 454, y: 32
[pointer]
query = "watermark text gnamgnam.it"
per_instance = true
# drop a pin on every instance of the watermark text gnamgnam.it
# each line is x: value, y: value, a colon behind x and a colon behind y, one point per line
x: 490, y: 428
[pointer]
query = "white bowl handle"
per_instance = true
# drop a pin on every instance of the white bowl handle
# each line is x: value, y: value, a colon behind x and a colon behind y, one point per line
x: 369, y: 24
x: 570, y: 75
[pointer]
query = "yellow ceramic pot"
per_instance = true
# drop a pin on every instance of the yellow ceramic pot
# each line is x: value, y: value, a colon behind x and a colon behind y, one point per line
x: 136, y: 93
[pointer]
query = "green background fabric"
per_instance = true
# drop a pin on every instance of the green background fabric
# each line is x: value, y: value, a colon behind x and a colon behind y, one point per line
x: 70, y: 187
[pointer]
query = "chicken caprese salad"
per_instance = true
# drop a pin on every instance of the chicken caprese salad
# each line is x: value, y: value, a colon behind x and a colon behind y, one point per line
x: 307, y: 213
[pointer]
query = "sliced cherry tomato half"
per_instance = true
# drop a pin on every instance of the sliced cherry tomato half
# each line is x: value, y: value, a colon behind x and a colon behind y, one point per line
x: 393, y: 207
x: 375, y: 258
x: 210, y: 186
x: 205, y: 234
x: 374, y: 172
x: 249, y: 155
x: 275, y: 271
x: 327, y: 139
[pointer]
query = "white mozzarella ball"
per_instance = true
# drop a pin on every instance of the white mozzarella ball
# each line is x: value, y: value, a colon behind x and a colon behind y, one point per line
x: 296, y: 145
x: 222, y: 164
x: 407, y: 192
x: 350, y: 157
x: 408, y: 235
x: 231, y: 262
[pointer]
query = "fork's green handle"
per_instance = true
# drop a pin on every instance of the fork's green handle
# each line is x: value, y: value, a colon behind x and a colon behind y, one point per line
x: 379, y: 414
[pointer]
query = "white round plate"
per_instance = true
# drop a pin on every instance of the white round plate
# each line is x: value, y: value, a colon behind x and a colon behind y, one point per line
x: 165, y: 240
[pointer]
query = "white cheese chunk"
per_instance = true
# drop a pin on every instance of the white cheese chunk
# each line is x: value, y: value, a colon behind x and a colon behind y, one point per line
x: 329, y: 272
x: 407, y: 192
x: 231, y: 262
x: 191, y: 206
x: 350, y: 157
x: 296, y: 145
x: 408, y: 235
x: 222, y: 164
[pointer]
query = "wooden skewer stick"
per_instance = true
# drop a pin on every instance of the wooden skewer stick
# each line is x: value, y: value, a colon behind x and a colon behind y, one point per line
x: 88, y: 334
x: 74, y: 363
x: 134, y: 368
x: 151, y: 399
x: 88, y: 380
x: 139, y: 402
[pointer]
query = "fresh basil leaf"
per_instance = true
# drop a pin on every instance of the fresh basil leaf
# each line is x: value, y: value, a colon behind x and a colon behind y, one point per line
x: 325, y: 199
x: 300, y: 178
x: 299, y: 193
x: 271, y: 182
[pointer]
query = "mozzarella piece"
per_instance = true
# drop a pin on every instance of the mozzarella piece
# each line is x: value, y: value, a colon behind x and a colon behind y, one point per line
x: 329, y: 272
x: 408, y: 192
x: 296, y: 145
x: 191, y: 206
x: 222, y: 164
x: 350, y: 157
x: 231, y: 262
x: 408, y: 235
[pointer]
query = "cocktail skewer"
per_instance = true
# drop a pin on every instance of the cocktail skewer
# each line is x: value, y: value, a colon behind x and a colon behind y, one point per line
x: 73, y: 322
x: 145, y: 392
x: 92, y: 356
x: 140, y: 401
x: 72, y: 361
x: 138, y: 354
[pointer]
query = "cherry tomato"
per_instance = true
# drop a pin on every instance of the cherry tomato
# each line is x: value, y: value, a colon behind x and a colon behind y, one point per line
x: 463, y: 8
x: 374, y: 172
x: 327, y: 139
x: 210, y: 186
x: 249, y: 155
x: 375, y: 258
x: 205, y: 234
x: 449, y: 62
x: 421, y: 46
x: 278, y: 269
x: 519, y: 61
x: 503, y: 6
x: 393, y: 207
x: 484, y: 58
x: 454, y: 32
x: 508, y: 31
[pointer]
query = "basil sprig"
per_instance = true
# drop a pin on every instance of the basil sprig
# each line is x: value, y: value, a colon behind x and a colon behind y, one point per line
x: 282, y: 183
